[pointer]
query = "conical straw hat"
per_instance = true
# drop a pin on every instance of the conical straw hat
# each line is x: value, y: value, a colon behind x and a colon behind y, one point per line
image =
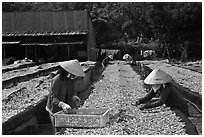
x: 126, y: 56
x: 73, y: 67
x: 157, y: 76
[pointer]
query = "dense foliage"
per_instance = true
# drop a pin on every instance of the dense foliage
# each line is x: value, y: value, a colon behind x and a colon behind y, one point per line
x: 177, y: 25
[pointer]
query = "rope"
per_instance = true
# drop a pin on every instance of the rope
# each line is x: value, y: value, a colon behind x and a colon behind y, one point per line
x: 193, y: 105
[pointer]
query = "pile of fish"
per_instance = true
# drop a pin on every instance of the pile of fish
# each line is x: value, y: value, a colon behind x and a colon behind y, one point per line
x: 19, y: 97
x: 24, y: 95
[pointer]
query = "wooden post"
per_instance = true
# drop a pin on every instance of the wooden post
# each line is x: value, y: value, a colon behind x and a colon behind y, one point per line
x: 35, y: 53
x: 164, y: 53
x: 166, y: 49
x: 168, y: 53
x: 26, y: 51
x: 4, y: 51
x: 68, y: 48
x: 88, y: 41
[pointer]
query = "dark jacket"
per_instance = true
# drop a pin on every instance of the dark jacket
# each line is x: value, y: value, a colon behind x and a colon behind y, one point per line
x: 169, y: 96
x: 60, y: 91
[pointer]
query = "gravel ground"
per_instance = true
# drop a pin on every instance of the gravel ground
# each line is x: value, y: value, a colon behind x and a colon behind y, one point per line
x: 116, y: 90
x: 187, y: 78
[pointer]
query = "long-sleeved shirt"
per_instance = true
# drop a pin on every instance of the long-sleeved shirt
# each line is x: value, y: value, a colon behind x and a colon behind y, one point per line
x: 169, y: 96
x: 60, y: 91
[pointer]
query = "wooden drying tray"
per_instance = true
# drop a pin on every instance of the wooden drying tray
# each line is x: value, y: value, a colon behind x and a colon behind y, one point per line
x: 88, y: 118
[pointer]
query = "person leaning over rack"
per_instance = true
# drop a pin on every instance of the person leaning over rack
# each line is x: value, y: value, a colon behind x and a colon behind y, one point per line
x: 161, y: 85
x: 62, y: 95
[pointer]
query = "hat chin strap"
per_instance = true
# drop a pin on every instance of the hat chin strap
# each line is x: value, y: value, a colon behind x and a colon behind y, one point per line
x: 71, y: 76
x: 156, y: 87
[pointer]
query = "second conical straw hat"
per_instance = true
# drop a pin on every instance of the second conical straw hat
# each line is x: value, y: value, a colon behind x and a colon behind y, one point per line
x: 126, y: 56
x: 157, y: 76
x: 73, y: 67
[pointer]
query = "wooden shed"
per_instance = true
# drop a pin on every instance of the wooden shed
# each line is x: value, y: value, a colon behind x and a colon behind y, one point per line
x: 51, y: 36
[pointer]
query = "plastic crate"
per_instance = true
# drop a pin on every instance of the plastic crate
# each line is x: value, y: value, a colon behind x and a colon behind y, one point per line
x: 87, y: 118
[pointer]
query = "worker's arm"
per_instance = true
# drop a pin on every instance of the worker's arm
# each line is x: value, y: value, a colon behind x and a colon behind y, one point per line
x: 147, y: 97
x: 75, y: 99
x: 55, y: 87
x: 162, y: 99
x: 54, y: 91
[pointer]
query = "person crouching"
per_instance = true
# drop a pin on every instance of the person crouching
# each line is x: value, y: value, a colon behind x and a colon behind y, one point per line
x: 161, y: 85
x: 62, y: 95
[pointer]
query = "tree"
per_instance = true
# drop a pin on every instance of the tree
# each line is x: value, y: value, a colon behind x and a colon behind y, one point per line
x: 174, y: 23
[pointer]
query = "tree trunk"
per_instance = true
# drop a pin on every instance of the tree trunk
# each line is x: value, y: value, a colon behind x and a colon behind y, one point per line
x: 184, y: 53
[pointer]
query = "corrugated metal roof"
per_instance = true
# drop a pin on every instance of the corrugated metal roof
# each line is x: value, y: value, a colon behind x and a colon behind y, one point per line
x: 54, y: 44
x: 45, y: 33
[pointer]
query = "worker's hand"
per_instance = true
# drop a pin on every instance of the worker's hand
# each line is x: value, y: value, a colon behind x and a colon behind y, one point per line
x: 77, y: 101
x: 76, y: 98
x: 136, y: 103
x: 64, y: 106
x: 142, y: 107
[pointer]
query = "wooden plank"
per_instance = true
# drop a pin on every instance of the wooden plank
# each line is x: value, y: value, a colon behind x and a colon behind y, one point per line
x: 82, y: 118
x: 7, y: 22
x: 21, y: 21
x: 34, y: 21
x: 58, y: 20
x: 69, y: 23
x: 46, y: 23
x: 80, y: 20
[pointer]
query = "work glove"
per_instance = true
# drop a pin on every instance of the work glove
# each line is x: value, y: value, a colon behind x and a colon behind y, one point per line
x: 64, y: 106
x: 77, y: 101
x: 136, y: 103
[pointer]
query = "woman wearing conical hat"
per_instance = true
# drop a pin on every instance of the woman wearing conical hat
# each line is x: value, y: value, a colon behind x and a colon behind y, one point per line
x: 161, y: 84
x: 128, y: 58
x: 62, y: 95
